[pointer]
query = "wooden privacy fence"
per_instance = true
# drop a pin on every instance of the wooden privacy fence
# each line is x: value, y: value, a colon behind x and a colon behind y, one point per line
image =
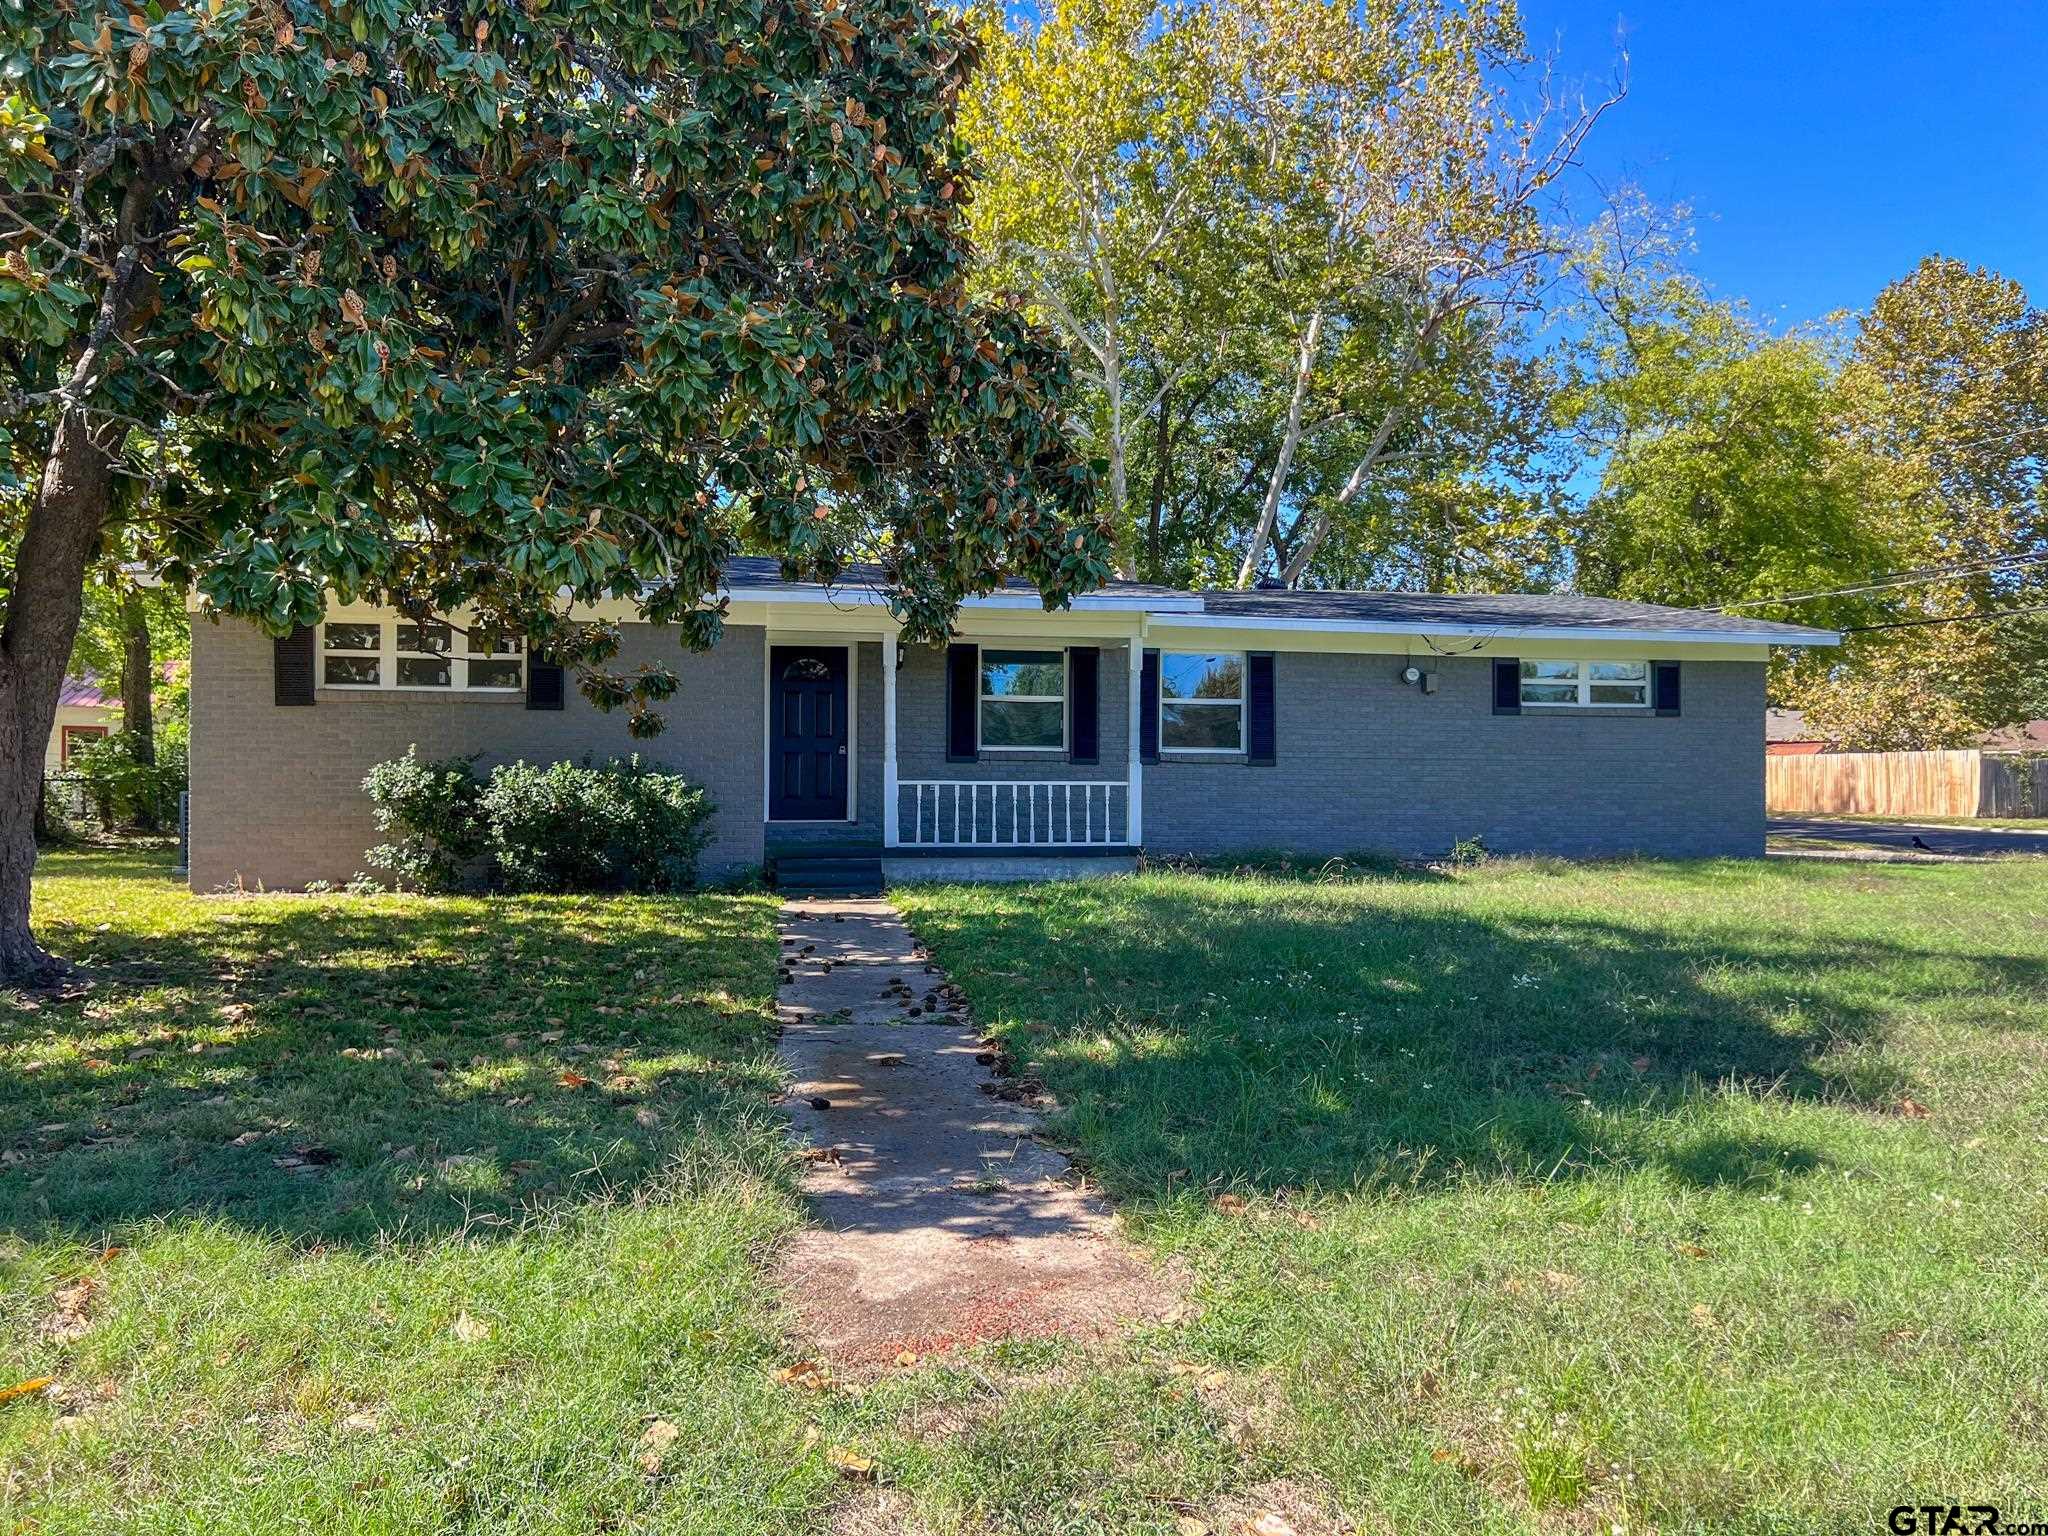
x: 1956, y: 783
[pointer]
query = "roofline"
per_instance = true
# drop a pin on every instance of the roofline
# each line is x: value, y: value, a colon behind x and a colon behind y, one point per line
x: 1796, y: 636
x: 867, y: 597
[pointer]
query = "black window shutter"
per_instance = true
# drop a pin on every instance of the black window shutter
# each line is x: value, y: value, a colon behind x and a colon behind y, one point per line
x: 292, y: 667
x: 1665, y: 690
x: 1148, y: 708
x: 963, y: 702
x: 1260, y: 735
x: 544, y: 687
x: 1084, y: 702
x: 1507, y: 686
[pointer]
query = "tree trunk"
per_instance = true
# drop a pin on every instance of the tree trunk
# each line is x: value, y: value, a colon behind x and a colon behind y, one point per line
x: 1290, y: 439
x: 1162, y: 449
x: 63, y: 530
x: 138, y: 679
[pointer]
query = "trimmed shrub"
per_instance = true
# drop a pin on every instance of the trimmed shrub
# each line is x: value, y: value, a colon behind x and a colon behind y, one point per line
x: 531, y: 827
x: 573, y: 827
x: 433, y: 814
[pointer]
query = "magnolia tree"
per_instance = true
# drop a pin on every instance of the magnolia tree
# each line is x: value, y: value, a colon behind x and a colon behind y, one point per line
x: 502, y: 308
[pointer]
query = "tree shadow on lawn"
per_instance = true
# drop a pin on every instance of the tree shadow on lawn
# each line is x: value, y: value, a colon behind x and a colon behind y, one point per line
x: 348, y: 1070
x: 1198, y: 1039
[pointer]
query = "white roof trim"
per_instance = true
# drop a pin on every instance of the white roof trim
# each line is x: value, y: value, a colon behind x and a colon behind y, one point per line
x: 1491, y: 631
x: 867, y: 597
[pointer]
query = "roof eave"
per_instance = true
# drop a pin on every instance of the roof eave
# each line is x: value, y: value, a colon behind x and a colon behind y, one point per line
x: 1641, y: 636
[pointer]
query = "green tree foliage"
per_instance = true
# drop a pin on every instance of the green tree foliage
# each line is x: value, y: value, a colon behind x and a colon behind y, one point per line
x: 1289, y: 244
x: 1106, y: 202
x: 518, y: 308
x: 1948, y: 387
x: 1726, y: 470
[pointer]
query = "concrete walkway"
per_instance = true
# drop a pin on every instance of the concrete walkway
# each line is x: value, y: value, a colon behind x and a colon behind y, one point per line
x: 940, y: 1221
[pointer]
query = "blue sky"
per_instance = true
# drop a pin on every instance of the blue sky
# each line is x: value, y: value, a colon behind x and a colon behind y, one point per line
x: 1825, y: 147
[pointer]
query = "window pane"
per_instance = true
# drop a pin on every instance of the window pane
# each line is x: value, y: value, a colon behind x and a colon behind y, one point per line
x: 1550, y: 693
x: 1190, y: 726
x: 422, y: 674
x: 1556, y: 669
x: 1008, y: 723
x: 494, y: 674
x: 1040, y: 674
x: 1201, y: 677
x: 350, y: 637
x: 1619, y: 671
x: 351, y: 670
x: 430, y: 639
x: 1620, y: 693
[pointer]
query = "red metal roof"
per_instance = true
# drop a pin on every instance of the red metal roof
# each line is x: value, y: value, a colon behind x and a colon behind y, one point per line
x: 83, y: 693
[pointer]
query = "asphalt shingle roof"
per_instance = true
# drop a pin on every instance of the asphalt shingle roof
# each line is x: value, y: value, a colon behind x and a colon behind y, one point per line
x: 1396, y: 610
x: 1508, y: 610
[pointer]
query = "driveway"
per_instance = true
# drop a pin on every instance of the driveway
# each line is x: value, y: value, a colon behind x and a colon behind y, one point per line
x: 1906, y: 837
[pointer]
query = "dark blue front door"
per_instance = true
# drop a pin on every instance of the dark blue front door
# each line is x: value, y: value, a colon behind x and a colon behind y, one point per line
x: 807, y: 733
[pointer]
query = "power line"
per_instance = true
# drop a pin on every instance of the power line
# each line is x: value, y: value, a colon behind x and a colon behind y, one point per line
x: 1893, y: 581
x: 1960, y: 618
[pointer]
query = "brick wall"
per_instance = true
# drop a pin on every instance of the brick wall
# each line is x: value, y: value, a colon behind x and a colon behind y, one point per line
x: 1366, y: 762
x: 277, y: 795
x: 1370, y: 763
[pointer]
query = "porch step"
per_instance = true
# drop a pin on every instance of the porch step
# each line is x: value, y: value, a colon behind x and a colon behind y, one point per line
x: 817, y: 872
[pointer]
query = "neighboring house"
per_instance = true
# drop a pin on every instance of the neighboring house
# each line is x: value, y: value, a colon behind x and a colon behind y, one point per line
x: 83, y: 714
x: 1141, y: 717
x: 1786, y: 734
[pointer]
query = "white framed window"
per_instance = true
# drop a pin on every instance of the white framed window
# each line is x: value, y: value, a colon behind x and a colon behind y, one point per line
x: 434, y: 657
x: 1023, y: 701
x: 1586, y: 684
x: 1201, y: 702
x: 352, y: 655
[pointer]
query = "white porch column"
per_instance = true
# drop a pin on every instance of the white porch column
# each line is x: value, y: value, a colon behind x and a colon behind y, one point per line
x: 890, y: 795
x: 1135, y: 794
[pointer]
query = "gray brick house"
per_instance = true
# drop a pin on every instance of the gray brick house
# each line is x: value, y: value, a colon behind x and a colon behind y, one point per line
x: 1140, y: 718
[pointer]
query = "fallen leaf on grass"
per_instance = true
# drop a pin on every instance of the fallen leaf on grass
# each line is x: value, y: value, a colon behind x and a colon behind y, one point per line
x: 1913, y: 1109
x: 1692, y: 1250
x: 1269, y: 1523
x: 573, y: 1079
x: 67, y: 1319
x: 808, y: 1374
x: 654, y: 1443
x: 851, y: 1465
x: 27, y: 1388
x: 362, y: 1421
x: 1703, y: 1315
x: 906, y: 1357
x: 469, y: 1330
x: 1230, y: 1203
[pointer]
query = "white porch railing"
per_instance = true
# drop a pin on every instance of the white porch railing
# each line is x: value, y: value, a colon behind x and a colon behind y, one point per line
x: 1002, y: 813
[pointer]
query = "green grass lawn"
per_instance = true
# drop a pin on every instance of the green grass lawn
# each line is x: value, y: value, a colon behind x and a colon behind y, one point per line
x: 1659, y: 1196
x: 1673, y: 1197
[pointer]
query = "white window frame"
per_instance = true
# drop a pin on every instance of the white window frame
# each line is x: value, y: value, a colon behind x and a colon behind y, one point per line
x: 388, y: 656
x: 1243, y: 721
x: 1585, y: 681
x: 982, y: 699
x: 382, y: 656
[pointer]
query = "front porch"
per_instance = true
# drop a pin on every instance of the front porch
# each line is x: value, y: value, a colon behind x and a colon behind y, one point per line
x: 1008, y: 754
